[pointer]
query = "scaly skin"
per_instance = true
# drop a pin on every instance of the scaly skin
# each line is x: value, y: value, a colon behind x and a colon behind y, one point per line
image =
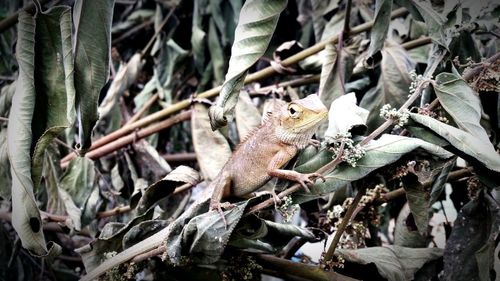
x: 285, y: 131
x: 260, y: 157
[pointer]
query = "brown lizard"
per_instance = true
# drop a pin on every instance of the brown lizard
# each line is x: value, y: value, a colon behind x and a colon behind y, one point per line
x: 286, y: 130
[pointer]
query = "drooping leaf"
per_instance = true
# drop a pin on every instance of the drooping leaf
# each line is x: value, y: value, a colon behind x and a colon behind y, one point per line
x: 216, y: 53
x: 91, y: 53
x: 124, y: 78
x: 166, y: 186
x: 423, y: 11
x: 469, y: 251
x: 111, y: 239
x: 79, y: 181
x: 335, y: 72
x: 52, y: 83
x: 405, y: 235
x: 25, y: 214
x: 6, y: 95
x: 418, y: 200
x: 387, y: 149
x: 211, y: 147
x: 378, y: 32
x: 201, y: 234
x: 198, y: 35
x: 440, y: 182
x: 4, y: 166
x: 270, y: 236
x: 170, y: 57
x: 59, y: 201
x: 464, y: 142
x: 393, y: 262
x: 247, y: 115
x: 255, y: 28
x: 393, y: 83
x: 461, y: 102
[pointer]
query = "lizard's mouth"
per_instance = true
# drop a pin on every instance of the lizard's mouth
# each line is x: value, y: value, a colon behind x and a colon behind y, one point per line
x: 314, y: 121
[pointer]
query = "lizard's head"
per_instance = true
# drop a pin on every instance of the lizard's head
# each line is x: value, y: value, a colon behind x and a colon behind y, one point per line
x: 303, y: 115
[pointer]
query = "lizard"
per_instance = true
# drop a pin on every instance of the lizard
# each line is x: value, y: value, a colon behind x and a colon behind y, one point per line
x: 285, y: 130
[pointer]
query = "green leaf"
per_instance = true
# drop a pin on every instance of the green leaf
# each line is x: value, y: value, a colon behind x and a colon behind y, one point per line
x: 378, y: 32
x: 405, y: 235
x: 462, y: 141
x: 92, y: 54
x: 170, y: 57
x: 393, y: 83
x: 258, y: 19
x: 335, y: 72
x: 124, y: 78
x: 112, y: 239
x: 166, y: 186
x: 80, y: 182
x: 247, y: 115
x: 59, y: 201
x: 198, y: 36
x: 4, y: 166
x: 211, y: 147
x: 418, y: 200
x: 216, y: 53
x: 52, y: 108
x: 461, y: 102
x: 423, y: 11
x: 393, y: 262
x: 469, y: 251
x: 439, y: 183
x: 387, y: 149
x: 25, y: 214
x: 201, y: 234
x: 269, y: 236
x: 6, y: 95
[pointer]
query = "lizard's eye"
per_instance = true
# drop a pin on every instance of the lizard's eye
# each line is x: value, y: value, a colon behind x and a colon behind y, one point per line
x: 294, y: 110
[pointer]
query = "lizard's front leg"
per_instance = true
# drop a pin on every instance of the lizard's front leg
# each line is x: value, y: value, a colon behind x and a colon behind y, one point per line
x: 280, y: 159
x: 222, y: 188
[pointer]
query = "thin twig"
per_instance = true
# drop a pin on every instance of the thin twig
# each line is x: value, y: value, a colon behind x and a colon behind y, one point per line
x: 147, y: 105
x: 345, y: 222
x: 158, y: 31
x: 131, y: 31
x: 180, y: 157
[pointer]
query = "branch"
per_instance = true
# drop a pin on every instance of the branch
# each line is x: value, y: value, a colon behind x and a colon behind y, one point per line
x: 285, y: 268
x: 345, y: 222
x: 133, y: 137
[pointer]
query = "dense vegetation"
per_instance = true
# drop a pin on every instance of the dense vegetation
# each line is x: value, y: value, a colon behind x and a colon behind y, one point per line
x: 114, y: 116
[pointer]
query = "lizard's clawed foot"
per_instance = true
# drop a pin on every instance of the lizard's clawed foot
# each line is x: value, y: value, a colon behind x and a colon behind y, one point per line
x: 309, y: 179
x: 277, y: 200
x: 219, y: 206
x: 315, y: 143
